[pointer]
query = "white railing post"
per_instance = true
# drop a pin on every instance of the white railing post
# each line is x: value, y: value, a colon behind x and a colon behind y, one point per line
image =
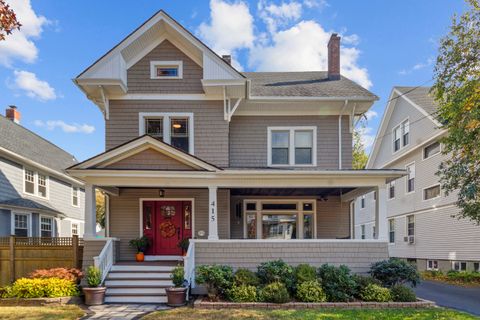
x: 104, y: 260
x: 189, y: 266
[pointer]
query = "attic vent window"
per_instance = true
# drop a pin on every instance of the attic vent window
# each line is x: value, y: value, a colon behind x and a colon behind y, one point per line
x: 166, y: 69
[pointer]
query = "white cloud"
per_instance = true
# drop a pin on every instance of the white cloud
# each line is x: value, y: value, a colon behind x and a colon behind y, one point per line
x: 370, y: 114
x: 417, y: 66
x: 230, y: 27
x: 34, y: 87
x: 315, y: 4
x: 19, y: 45
x: 278, y: 15
x: 65, y: 127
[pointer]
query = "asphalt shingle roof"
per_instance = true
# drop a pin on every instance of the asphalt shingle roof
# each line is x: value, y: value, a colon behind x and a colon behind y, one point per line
x: 25, y: 143
x: 304, y: 84
x: 420, y: 96
x: 28, y: 204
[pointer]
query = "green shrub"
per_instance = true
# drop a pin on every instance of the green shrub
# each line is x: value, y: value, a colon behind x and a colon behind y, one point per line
x: 41, y: 288
x: 246, y: 277
x: 71, y: 274
x: 218, y: 279
x: 275, y: 292
x: 311, y: 291
x: 463, y: 276
x: 362, y: 282
x: 305, y: 272
x: 338, y: 283
x: 401, y: 293
x: 94, y: 277
x: 375, y: 293
x: 243, y: 293
x: 276, y: 271
x: 177, y: 276
x: 395, y: 271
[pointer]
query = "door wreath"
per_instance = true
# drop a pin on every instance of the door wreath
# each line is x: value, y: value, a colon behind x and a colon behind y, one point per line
x: 167, y: 229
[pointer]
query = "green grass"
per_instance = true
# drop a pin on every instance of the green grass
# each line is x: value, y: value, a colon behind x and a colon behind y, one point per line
x: 70, y: 312
x: 325, y: 314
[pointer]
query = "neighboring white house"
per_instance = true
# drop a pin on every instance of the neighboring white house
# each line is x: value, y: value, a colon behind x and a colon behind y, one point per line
x: 421, y: 225
x: 37, y: 198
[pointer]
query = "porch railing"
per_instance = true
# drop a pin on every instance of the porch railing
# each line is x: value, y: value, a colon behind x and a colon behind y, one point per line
x: 104, y: 260
x: 189, y: 265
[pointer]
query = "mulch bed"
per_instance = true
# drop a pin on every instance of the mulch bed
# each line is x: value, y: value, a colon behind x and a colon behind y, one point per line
x: 40, y: 301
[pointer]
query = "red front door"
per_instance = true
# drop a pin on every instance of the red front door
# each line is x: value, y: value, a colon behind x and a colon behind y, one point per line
x: 166, y: 223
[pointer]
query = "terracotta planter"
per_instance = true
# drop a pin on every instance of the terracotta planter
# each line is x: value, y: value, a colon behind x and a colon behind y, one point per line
x: 176, y: 297
x: 94, y: 296
x: 139, y: 257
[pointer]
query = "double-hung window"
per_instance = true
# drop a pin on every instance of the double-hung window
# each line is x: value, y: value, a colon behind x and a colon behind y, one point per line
x: 401, y: 135
x: 362, y: 230
x: 74, y: 229
x: 410, y: 178
x: 432, y: 265
x: 21, y: 225
x: 46, y: 227
x: 405, y: 133
x: 391, y: 189
x: 431, y: 150
x: 396, y: 138
x: 294, y: 146
x: 35, y: 183
x: 391, y: 230
x: 411, y: 225
x: 175, y: 129
x: 75, y: 196
x: 362, y: 202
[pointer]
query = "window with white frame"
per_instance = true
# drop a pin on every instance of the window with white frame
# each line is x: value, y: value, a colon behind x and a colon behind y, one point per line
x: 476, y: 266
x: 459, y: 265
x: 294, y: 146
x: 391, y: 189
x: 411, y: 225
x: 405, y: 133
x: 175, y: 129
x: 21, y: 225
x: 74, y: 229
x: 35, y: 183
x: 374, y: 232
x: 362, y: 231
x: 431, y: 192
x: 166, y: 69
x: 410, y: 178
x: 432, y: 265
x: 391, y: 230
x: 401, y: 135
x: 362, y: 202
x: 431, y: 150
x: 75, y: 196
x: 46, y: 227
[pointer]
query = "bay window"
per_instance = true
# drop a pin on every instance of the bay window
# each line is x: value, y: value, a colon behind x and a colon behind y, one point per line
x: 292, y: 146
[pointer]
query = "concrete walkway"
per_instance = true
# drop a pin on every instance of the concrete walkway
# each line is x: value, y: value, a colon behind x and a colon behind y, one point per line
x: 122, y: 311
x: 465, y: 299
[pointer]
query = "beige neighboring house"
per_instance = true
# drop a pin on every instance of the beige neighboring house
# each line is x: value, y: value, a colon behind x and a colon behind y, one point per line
x: 250, y: 166
x: 419, y: 214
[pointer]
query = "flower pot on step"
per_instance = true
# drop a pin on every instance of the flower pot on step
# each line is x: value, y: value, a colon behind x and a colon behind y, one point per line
x: 176, y: 296
x: 94, y: 296
x: 139, y: 257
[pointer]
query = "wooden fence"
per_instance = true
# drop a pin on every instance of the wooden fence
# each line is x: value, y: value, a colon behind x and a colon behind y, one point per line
x: 19, y: 256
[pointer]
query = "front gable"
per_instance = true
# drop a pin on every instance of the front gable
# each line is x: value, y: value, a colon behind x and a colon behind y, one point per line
x: 149, y: 159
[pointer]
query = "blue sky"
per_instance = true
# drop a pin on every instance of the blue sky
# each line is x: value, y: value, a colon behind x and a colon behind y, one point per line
x: 386, y: 43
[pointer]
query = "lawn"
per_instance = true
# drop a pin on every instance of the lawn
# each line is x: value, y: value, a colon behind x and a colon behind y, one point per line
x: 70, y: 312
x: 391, y: 314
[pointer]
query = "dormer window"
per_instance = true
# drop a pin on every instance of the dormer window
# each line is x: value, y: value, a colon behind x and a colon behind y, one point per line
x: 166, y: 69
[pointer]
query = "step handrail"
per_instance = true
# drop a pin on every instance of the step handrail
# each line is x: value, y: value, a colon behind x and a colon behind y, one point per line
x: 104, y: 261
x: 189, y: 266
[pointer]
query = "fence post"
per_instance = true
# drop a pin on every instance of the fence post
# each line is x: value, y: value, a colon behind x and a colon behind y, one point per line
x: 75, y: 250
x: 12, y: 258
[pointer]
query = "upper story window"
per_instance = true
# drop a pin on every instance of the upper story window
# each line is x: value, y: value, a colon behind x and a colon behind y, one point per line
x: 431, y: 192
x: 362, y: 231
x: 46, y: 227
x: 362, y: 202
x: 401, y: 135
x: 292, y: 146
x: 410, y: 225
x: 391, y: 189
x: 35, y: 183
x: 166, y: 69
x: 410, y: 178
x: 431, y: 150
x: 75, y: 196
x: 175, y: 129
x: 391, y: 230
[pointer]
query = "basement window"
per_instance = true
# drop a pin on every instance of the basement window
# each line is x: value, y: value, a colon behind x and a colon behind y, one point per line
x: 166, y: 69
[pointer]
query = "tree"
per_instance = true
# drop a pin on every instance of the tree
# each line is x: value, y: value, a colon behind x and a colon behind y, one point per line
x: 8, y: 20
x: 100, y: 199
x: 359, y: 154
x: 457, y: 92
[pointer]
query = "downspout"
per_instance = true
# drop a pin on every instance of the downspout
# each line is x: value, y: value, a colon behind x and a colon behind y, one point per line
x: 340, y: 135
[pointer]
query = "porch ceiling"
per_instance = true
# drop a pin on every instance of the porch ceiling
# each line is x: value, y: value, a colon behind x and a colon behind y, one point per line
x: 317, y: 192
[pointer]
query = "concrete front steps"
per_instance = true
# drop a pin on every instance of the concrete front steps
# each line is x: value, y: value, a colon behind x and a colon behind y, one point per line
x: 138, y: 283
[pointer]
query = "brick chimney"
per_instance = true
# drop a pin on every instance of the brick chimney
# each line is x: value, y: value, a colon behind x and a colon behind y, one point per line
x: 227, y: 58
x: 12, y: 113
x: 334, y: 57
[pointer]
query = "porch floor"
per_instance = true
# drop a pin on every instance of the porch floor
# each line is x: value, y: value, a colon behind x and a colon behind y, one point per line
x: 168, y: 263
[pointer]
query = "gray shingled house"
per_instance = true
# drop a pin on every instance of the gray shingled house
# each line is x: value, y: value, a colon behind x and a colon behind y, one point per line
x: 249, y: 166
x: 37, y: 197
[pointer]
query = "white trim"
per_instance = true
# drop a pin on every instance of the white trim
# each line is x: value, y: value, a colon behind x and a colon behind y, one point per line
x: 291, y: 147
x: 422, y: 111
x: 394, y: 190
x: 403, y: 215
x: 431, y: 186
x: 71, y: 228
x: 414, y: 178
x: 166, y: 96
x: 29, y: 221
x: 427, y: 267
x: 162, y: 258
x: 40, y: 224
x: 141, y: 200
x: 290, y: 240
x: 402, y: 133
x: 72, y: 187
x: 158, y: 63
x: 433, y: 155
x: 166, y: 116
x: 36, y: 184
x: 303, y: 98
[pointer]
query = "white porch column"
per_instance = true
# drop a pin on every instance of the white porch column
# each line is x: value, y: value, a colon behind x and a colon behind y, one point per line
x: 212, y: 214
x: 381, y: 221
x: 90, y: 212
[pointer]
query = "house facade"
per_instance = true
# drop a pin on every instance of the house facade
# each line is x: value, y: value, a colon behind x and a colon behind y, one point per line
x: 37, y: 197
x: 250, y: 166
x: 422, y: 226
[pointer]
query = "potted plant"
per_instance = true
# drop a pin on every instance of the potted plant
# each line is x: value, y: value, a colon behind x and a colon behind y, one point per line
x: 141, y: 245
x: 176, y: 295
x: 183, y: 244
x: 94, y: 293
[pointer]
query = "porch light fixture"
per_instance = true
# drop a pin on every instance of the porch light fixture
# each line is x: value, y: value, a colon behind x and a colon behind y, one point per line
x: 177, y: 125
x: 161, y: 193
